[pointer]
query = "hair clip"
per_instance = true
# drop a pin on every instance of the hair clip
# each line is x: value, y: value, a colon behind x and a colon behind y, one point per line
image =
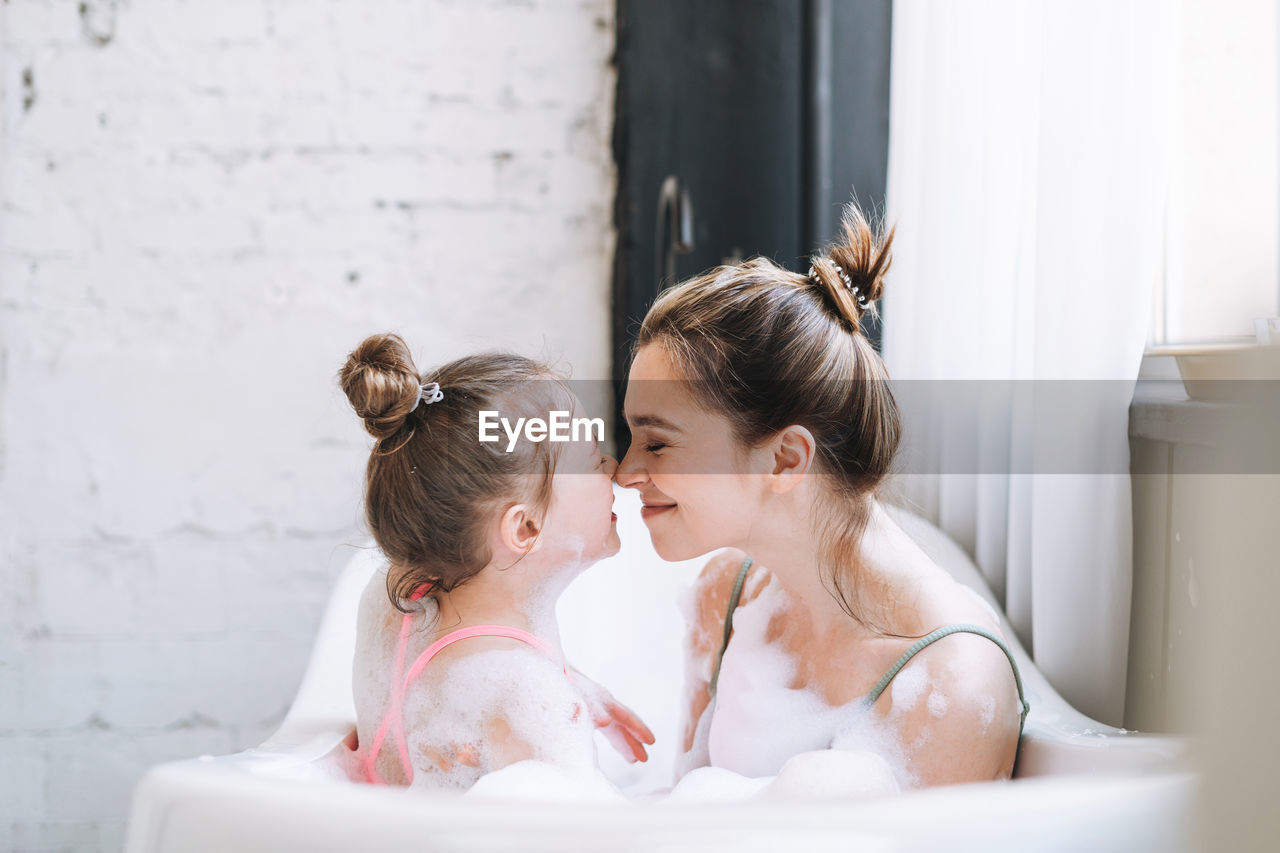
x: 848, y: 283
x: 430, y: 392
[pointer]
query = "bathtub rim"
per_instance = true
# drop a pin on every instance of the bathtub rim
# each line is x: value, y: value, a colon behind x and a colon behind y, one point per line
x: 178, y: 801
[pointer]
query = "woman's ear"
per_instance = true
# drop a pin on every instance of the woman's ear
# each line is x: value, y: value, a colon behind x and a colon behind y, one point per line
x: 519, y: 529
x: 793, y: 450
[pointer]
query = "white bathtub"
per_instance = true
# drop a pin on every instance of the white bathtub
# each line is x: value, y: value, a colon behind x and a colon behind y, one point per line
x: 1080, y: 785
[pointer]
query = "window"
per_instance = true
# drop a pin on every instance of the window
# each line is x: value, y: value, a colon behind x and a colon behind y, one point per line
x: 1222, y: 246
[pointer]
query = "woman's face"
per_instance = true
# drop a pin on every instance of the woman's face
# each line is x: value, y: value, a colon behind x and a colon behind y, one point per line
x: 700, y: 491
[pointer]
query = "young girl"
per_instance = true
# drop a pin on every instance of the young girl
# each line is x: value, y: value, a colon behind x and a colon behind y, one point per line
x: 458, y: 669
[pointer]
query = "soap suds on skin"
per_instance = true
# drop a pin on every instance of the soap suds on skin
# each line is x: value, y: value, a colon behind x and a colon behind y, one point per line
x: 767, y: 740
x: 757, y: 724
x: 460, y: 706
x: 908, y: 686
x: 988, y: 712
x: 465, y: 701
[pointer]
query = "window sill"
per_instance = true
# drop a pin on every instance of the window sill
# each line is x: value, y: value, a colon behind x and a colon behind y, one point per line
x: 1208, y: 371
x: 1236, y: 421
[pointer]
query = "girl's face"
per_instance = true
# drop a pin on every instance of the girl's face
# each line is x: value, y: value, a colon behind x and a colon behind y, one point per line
x: 581, y: 517
x: 700, y: 490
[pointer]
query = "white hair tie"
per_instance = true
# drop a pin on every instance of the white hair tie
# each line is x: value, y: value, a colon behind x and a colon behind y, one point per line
x: 430, y: 392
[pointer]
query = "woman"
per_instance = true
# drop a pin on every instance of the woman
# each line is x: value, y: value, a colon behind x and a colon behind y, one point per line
x: 762, y: 421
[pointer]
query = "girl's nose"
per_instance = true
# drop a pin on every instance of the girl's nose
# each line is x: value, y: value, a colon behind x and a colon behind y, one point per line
x: 610, y: 465
x: 628, y: 473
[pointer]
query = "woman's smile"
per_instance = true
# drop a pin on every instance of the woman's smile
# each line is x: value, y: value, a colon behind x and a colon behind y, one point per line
x: 652, y: 510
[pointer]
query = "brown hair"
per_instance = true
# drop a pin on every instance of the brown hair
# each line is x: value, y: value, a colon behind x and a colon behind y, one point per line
x: 431, y: 487
x: 768, y: 348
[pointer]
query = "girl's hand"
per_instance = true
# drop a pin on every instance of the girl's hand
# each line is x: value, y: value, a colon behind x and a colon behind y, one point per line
x: 621, y: 727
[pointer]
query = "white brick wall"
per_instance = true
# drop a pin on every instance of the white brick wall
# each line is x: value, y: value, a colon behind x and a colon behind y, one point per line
x: 206, y: 204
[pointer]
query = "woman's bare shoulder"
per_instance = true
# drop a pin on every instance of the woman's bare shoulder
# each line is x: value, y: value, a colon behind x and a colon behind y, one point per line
x: 715, y: 581
x: 955, y: 704
x: 712, y: 591
x: 939, y: 600
x: 956, y: 709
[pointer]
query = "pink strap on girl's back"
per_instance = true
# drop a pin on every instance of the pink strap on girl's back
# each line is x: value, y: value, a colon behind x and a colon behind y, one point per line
x: 395, y: 713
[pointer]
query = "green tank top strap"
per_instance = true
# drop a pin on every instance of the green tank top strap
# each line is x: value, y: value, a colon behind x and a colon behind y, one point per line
x: 933, y: 637
x: 734, y: 597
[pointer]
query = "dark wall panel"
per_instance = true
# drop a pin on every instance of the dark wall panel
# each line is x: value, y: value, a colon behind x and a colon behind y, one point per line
x: 772, y: 113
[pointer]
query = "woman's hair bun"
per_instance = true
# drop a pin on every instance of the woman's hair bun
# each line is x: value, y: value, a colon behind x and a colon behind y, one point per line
x: 863, y: 254
x: 382, y: 383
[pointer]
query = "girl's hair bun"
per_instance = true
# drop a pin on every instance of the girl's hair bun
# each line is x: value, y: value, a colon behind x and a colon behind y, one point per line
x: 863, y: 255
x: 382, y: 383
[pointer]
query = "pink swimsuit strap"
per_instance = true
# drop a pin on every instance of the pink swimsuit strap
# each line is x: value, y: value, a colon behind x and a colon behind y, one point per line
x: 395, y: 715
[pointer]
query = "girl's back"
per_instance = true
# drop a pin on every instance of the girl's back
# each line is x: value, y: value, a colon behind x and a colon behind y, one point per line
x: 475, y: 706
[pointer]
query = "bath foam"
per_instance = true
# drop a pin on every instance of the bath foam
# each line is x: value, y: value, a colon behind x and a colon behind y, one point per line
x: 468, y: 701
x: 697, y: 672
x: 743, y: 727
x: 757, y: 723
x: 988, y: 711
x: 824, y: 774
x: 857, y: 729
x: 908, y: 686
x: 716, y: 785
x: 754, y: 584
x: 541, y: 781
x: 373, y: 663
x: 833, y: 774
x: 697, y: 755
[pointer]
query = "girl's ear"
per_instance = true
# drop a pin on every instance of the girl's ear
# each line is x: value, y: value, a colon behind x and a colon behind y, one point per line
x: 793, y: 451
x: 519, y: 529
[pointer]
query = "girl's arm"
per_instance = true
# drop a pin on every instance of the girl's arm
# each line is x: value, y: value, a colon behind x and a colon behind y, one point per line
x: 624, y: 730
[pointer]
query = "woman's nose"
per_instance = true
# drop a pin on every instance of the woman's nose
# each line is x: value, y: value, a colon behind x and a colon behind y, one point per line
x: 629, y: 474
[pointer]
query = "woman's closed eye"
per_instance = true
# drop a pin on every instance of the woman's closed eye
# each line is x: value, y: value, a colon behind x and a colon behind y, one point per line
x: 654, y: 446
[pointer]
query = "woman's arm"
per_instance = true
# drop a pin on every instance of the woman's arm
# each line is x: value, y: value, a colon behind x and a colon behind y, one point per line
x: 704, y: 617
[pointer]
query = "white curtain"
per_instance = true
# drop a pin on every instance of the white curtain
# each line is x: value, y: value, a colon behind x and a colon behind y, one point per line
x: 1029, y: 149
